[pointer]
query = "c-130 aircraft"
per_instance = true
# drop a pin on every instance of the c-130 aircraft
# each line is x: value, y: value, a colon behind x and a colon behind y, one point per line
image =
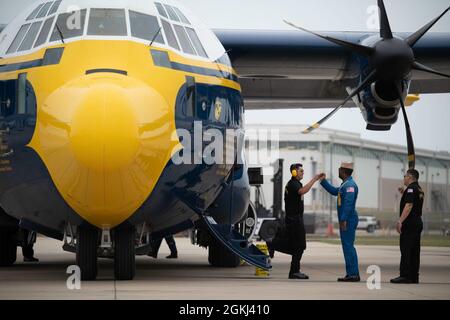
x: 88, y: 115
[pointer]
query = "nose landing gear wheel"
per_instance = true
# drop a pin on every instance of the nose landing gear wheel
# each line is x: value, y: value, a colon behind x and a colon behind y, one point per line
x: 124, y: 253
x: 8, y: 247
x: 87, y: 246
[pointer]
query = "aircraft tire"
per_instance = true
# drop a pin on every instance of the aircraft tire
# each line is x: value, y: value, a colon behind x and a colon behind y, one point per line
x: 8, y: 246
x: 87, y: 246
x: 124, y: 253
x: 221, y: 257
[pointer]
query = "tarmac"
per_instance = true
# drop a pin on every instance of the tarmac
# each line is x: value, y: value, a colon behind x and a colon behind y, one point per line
x: 190, y: 277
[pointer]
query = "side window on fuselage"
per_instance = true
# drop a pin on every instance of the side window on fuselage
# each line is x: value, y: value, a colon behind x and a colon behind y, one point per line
x: 204, y: 102
x: 7, y: 100
x: 17, y: 104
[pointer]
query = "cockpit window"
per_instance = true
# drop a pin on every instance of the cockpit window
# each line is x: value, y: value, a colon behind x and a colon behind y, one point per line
x: 197, y: 43
x: 107, y: 22
x: 44, y: 10
x: 170, y: 35
x: 35, y: 12
x: 161, y: 9
x: 184, y: 40
x: 171, y: 13
x: 225, y: 59
x: 28, y: 41
x: 181, y: 15
x: 18, y: 39
x: 55, y: 7
x: 146, y: 27
x: 42, y: 38
x: 70, y: 24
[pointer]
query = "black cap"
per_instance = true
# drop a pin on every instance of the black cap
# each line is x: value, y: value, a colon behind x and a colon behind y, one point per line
x: 295, y: 166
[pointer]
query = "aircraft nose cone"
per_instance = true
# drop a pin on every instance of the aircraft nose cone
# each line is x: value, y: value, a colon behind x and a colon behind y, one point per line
x: 105, y: 131
x: 105, y: 140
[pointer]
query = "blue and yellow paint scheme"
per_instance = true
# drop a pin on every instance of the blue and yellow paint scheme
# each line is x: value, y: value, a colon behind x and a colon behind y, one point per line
x: 93, y: 125
x: 98, y: 145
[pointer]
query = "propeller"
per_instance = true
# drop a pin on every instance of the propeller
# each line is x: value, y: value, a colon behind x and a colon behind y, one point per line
x: 412, y: 39
x: 364, y: 50
x: 421, y: 67
x: 391, y: 60
x: 409, y: 138
x: 385, y: 27
x: 369, y: 79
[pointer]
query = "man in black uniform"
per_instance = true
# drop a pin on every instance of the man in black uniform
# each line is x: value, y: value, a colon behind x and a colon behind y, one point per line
x: 172, y: 246
x: 29, y: 239
x: 410, y: 227
x: 295, y: 228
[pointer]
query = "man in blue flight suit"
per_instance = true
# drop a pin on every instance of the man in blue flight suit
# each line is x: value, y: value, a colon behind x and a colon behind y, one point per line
x: 346, y: 194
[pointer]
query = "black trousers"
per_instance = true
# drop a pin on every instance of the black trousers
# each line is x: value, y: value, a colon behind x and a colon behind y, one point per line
x: 27, y: 247
x: 297, y: 241
x: 410, y: 250
x: 170, y: 242
x: 295, y: 262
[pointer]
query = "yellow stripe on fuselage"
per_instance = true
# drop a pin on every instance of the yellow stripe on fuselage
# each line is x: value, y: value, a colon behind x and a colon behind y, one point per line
x: 105, y: 138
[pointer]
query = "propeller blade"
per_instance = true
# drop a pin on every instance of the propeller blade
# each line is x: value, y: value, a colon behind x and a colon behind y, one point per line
x: 416, y: 36
x: 418, y: 66
x: 409, y: 138
x: 385, y: 27
x: 354, y: 47
x: 370, y: 78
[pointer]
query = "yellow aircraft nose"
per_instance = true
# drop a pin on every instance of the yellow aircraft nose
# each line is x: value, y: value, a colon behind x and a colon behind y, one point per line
x: 105, y: 139
x: 104, y: 133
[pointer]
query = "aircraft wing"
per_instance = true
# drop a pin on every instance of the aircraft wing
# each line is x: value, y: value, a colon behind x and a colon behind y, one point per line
x: 294, y: 69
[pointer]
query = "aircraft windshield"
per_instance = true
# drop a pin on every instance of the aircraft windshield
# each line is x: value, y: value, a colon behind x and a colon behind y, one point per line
x: 170, y: 35
x: 43, y: 35
x: 144, y: 26
x: 70, y: 24
x: 107, y: 22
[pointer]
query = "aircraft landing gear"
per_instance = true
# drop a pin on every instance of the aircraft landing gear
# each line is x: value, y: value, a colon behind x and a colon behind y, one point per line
x: 221, y: 257
x: 8, y: 246
x: 124, y: 252
x: 87, y: 246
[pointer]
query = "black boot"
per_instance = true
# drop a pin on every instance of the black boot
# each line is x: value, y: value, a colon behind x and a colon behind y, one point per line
x: 349, y: 279
x: 298, y: 275
x: 30, y: 259
x: 401, y: 280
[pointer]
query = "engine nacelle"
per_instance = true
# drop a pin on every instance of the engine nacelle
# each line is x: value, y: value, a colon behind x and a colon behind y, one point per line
x: 380, y: 105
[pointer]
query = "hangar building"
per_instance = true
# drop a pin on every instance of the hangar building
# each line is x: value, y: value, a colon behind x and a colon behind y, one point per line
x: 379, y: 170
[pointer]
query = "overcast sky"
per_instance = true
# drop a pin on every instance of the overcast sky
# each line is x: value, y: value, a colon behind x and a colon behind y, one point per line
x: 429, y: 117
